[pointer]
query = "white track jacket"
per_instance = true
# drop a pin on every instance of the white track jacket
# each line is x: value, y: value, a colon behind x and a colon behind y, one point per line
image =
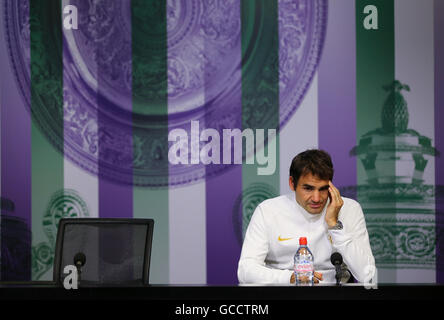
x: 272, y: 238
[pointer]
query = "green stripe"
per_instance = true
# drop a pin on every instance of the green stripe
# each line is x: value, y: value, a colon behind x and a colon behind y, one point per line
x: 149, y: 93
x: 46, y: 101
x: 375, y: 68
x: 260, y: 86
x: 375, y: 64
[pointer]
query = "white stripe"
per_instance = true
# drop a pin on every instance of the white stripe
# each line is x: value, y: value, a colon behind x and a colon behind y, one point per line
x: 187, y: 231
x: 299, y: 134
x: 86, y: 184
x: 414, y: 48
x: 186, y: 204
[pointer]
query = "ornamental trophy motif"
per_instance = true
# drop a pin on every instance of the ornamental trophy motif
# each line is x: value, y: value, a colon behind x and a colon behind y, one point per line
x: 399, y: 205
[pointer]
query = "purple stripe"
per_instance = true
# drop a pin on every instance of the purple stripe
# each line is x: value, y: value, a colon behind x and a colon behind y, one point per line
x: 222, y: 190
x: 15, y: 176
x: 439, y: 135
x: 223, y: 249
x: 115, y: 199
x: 337, y: 91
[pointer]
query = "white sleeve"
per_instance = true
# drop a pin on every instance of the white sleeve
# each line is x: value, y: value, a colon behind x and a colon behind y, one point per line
x: 251, y: 268
x: 353, y: 243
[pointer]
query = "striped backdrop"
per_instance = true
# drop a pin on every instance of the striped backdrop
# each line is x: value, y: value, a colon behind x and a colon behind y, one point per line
x: 85, y: 118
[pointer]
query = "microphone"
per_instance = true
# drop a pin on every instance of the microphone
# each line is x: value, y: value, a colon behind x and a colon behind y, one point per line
x: 79, y: 262
x: 79, y: 259
x: 336, y: 260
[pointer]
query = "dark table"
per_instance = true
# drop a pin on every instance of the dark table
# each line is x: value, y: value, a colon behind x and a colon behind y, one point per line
x: 224, y: 302
x: 50, y: 291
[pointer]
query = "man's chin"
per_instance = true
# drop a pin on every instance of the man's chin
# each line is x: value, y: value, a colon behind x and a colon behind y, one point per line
x: 314, y: 209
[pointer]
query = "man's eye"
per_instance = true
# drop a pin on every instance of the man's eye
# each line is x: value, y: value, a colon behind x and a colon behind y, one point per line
x: 308, y: 188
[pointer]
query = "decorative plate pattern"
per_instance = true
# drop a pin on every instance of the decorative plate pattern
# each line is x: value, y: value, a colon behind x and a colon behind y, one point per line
x: 203, y: 80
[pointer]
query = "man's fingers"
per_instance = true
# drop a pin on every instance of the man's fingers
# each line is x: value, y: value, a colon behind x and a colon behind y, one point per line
x: 336, y: 195
x: 336, y: 191
x: 332, y: 194
x: 317, y: 276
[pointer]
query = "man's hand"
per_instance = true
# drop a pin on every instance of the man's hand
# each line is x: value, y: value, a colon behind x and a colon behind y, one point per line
x: 317, y: 277
x: 335, y: 205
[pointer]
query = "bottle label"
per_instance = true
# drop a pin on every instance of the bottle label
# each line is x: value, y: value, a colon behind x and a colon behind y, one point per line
x: 303, y: 267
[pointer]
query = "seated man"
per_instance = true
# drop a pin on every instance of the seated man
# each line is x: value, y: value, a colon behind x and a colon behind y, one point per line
x: 315, y: 210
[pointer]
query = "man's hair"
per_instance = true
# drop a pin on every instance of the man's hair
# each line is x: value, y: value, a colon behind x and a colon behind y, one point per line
x: 317, y: 162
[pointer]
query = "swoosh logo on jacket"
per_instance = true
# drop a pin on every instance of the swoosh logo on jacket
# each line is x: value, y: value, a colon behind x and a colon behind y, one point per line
x: 283, y: 239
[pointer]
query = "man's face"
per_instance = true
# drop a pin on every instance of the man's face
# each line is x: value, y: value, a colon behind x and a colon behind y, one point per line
x: 311, y: 193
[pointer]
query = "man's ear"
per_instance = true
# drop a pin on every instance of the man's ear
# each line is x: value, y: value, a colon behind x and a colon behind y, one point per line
x: 291, y: 183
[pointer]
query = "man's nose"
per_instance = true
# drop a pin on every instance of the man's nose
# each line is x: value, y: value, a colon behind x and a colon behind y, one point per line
x: 316, y: 196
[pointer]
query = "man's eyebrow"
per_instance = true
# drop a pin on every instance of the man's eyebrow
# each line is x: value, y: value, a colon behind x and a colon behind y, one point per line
x: 308, y: 186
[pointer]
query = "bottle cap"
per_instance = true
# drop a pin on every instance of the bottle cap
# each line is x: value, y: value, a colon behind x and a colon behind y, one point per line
x: 303, y: 241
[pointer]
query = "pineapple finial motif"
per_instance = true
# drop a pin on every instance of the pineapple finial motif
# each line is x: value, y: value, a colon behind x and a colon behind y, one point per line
x: 395, y: 115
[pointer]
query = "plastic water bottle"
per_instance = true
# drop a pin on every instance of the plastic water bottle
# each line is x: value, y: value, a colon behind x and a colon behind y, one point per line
x: 303, y: 264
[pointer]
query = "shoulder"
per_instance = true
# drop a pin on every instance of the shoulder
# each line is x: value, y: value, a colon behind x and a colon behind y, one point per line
x: 272, y: 207
x: 266, y: 211
x: 351, y: 210
x: 278, y: 202
x: 350, y: 203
